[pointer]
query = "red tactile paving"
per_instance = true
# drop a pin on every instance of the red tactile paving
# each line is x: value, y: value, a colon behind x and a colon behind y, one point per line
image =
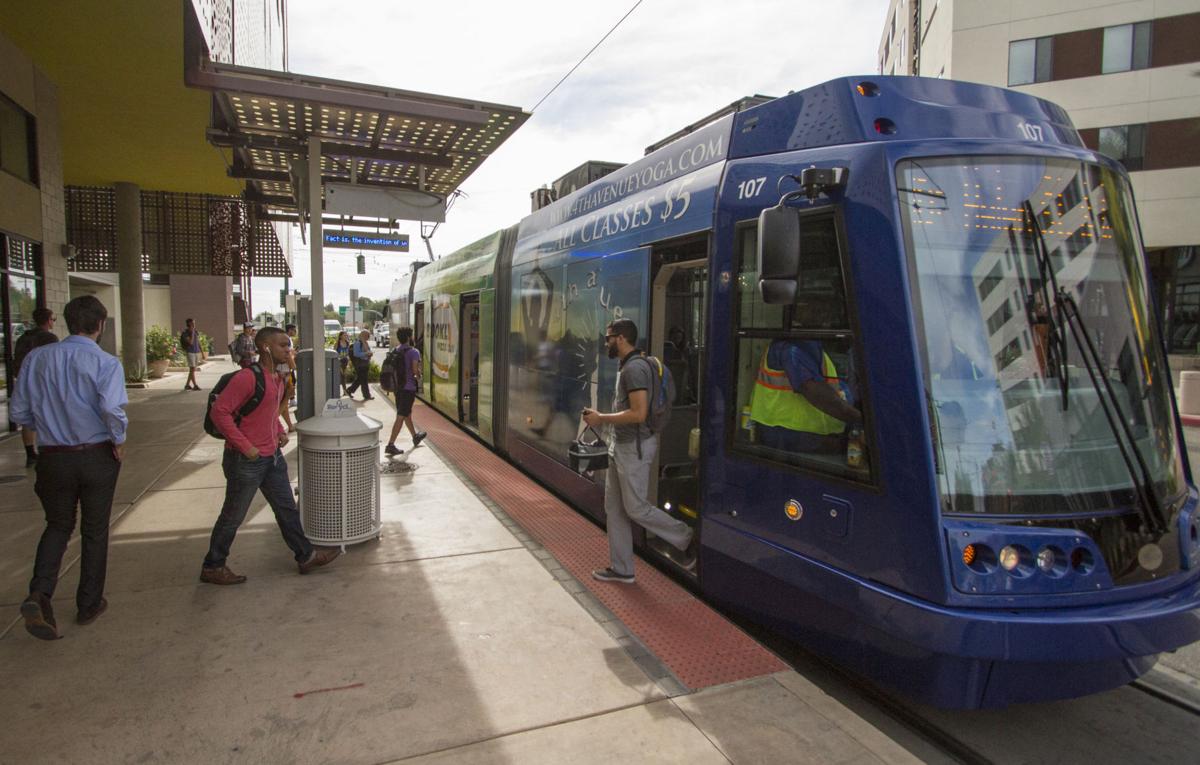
x: 696, y: 643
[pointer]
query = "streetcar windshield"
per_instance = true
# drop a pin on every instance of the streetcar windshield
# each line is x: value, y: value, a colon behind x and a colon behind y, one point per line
x: 1018, y: 423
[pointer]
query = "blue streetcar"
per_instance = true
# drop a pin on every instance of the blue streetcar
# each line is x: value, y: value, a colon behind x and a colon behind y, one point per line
x: 1015, y: 521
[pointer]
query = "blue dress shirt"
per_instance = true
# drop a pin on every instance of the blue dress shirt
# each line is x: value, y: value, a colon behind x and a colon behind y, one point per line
x: 72, y: 393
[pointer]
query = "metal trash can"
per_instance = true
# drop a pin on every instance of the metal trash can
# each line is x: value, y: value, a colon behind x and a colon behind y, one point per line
x: 339, y: 475
x: 304, y: 376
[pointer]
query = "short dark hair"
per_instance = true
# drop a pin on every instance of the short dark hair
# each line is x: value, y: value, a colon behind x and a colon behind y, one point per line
x: 626, y: 329
x: 404, y: 334
x: 42, y: 316
x: 264, y: 336
x: 289, y: 327
x: 188, y: 321
x: 84, y: 315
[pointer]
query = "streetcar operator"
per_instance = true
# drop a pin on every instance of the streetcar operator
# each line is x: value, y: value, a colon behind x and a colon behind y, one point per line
x: 799, y: 402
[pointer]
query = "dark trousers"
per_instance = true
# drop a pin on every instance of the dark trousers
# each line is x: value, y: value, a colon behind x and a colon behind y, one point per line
x: 244, y: 477
x: 361, y: 371
x: 65, y: 480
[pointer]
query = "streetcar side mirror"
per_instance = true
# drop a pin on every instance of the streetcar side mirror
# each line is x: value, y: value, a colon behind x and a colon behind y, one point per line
x: 778, y: 254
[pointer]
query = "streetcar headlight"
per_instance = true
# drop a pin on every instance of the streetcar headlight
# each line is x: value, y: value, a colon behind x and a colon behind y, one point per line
x: 1010, y: 557
x: 1046, y: 558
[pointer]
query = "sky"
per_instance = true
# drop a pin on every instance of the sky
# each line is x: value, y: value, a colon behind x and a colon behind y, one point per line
x: 669, y: 63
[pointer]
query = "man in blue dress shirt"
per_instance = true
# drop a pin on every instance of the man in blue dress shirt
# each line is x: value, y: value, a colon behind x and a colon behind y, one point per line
x: 73, y: 394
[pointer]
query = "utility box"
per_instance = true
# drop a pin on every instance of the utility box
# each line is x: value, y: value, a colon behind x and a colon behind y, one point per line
x: 339, y: 475
x: 306, y: 407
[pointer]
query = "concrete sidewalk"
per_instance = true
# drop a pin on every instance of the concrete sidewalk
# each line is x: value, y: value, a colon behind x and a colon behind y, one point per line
x: 445, y: 641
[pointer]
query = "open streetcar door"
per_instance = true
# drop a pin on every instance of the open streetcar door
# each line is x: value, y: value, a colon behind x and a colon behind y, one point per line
x: 468, y: 361
x: 419, y: 337
x: 678, y: 317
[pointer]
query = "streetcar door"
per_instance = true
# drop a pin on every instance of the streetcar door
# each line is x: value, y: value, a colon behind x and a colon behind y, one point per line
x: 468, y: 361
x: 419, y: 337
x: 677, y: 337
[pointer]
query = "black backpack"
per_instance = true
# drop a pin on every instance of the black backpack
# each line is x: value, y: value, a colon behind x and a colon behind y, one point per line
x: 260, y: 390
x: 388, y: 374
x: 184, y: 343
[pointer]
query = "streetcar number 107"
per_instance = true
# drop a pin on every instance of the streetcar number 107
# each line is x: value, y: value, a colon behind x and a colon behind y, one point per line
x: 751, y: 188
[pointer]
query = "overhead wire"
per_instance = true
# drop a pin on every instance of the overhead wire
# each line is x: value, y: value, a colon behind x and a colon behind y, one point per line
x: 585, y: 56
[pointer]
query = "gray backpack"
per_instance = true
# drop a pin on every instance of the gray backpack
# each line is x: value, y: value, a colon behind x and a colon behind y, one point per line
x: 662, y: 394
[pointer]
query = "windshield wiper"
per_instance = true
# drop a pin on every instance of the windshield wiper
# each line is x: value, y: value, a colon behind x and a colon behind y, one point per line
x: 1067, y: 312
x: 1143, y: 482
x: 1056, y: 351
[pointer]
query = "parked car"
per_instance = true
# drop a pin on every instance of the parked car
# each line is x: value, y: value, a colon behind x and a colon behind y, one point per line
x: 332, y: 327
x: 383, y: 334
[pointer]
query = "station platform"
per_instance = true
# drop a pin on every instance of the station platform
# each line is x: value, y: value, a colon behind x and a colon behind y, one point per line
x: 469, y: 632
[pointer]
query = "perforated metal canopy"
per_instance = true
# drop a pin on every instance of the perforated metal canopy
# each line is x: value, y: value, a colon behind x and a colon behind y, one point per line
x: 369, y: 135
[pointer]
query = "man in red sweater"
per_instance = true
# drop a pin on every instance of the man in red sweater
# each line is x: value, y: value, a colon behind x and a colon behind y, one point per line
x: 253, y: 462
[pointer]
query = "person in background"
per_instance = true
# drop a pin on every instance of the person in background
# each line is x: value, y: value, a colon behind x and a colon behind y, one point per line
x: 42, y: 333
x: 408, y: 380
x: 73, y: 394
x: 189, y: 339
x: 360, y: 355
x: 289, y: 378
x: 342, y: 346
x: 242, y: 349
x: 254, y: 462
x: 631, y: 451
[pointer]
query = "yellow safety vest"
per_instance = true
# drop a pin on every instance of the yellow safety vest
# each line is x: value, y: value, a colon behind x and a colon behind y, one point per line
x: 773, y: 402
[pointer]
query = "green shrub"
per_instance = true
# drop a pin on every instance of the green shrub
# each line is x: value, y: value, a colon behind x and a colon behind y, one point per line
x: 162, y: 343
x: 206, y: 343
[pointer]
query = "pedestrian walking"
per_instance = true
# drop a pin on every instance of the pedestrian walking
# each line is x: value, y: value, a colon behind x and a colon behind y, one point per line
x: 342, y: 346
x: 242, y: 349
x: 289, y: 394
x: 254, y: 462
x: 360, y: 356
x: 189, y: 341
x: 631, y: 450
x: 41, y: 333
x: 73, y: 394
x: 407, y: 363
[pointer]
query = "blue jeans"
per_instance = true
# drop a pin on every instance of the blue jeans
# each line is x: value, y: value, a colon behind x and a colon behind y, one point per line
x: 243, y: 478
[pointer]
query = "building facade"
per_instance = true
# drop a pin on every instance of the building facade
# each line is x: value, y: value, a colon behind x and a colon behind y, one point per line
x: 1129, y: 75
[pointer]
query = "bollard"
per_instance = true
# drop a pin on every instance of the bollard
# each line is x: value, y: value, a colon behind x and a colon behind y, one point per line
x: 1189, y: 393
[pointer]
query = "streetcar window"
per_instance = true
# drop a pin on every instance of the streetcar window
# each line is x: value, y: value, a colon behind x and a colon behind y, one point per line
x: 796, y: 380
x: 1017, y: 398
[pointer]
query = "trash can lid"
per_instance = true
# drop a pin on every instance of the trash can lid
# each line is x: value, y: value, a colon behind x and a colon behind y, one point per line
x: 338, y: 418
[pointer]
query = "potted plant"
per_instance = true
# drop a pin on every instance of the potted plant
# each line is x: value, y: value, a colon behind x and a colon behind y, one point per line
x: 205, y: 346
x: 161, y: 347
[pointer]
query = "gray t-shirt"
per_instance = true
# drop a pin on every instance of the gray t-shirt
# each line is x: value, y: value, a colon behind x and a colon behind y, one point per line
x: 634, y: 375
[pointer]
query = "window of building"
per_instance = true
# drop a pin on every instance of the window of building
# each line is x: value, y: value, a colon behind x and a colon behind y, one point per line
x: 18, y: 150
x: 783, y: 349
x: 1125, y: 143
x: 20, y: 293
x: 1126, y: 47
x: 1030, y: 60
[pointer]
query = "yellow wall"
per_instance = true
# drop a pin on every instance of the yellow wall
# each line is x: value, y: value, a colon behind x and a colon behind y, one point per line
x: 126, y: 115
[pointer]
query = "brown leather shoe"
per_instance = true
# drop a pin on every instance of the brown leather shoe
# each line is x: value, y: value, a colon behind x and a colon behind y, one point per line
x: 84, y: 618
x: 39, y: 617
x: 319, y: 557
x: 220, y: 575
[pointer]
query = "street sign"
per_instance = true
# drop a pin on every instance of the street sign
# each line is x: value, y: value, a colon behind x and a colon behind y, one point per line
x: 342, y: 312
x: 358, y: 240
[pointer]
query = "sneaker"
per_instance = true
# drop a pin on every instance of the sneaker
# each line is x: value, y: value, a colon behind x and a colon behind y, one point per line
x: 419, y: 437
x: 84, y: 618
x: 687, y: 559
x: 220, y: 575
x: 392, y: 449
x: 39, y: 617
x: 319, y: 558
x: 608, y: 575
